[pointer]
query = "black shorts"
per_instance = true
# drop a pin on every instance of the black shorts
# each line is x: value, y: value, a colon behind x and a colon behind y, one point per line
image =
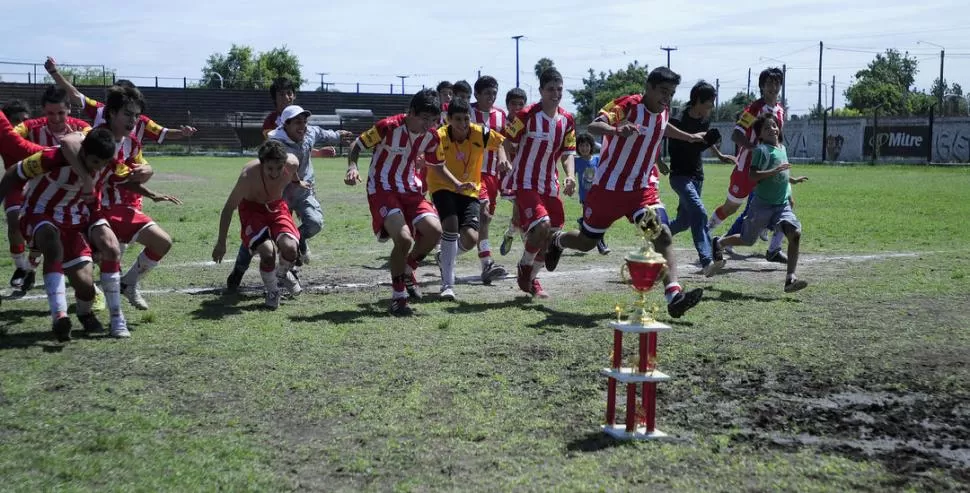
x: 466, y: 208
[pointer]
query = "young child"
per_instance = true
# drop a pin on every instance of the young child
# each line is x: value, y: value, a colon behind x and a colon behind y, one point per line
x: 586, y: 164
x: 515, y: 100
x: 771, y: 205
x: 463, y: 90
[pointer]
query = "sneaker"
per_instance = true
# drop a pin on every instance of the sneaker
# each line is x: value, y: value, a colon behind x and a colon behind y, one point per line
x: 134, y: 296
x: 291, y: 284
x: 795, y: 285
x: 717, y: 254
x: 602, y: 248
x: 684, y: 301
x: 119, y: 328
x: 552, y: 254
x: 507, y: 240
x: 447, y: 293
x: 713, y: 267
x: 62, y: 329
x: 777, y: 257
x: 399, y: 308
x: 524, y: 278
x: 764, y: 235
x: 729, y: 250
x: 492, y: 272
x: 411, y: 283
x: 17, y: 281
x: 273, y: 299
x: 537, y: 290
x: 233, y: 281
x: 91, y: 323
x: 99, y: 304
x: 29, y: 280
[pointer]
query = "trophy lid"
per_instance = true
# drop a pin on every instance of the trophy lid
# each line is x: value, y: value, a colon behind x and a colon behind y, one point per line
x: 645, y: 255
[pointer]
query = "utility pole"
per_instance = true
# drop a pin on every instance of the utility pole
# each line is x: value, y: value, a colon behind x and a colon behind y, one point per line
x: 784, y: 83
x: 942, y: 86
x: 517, y: 38
x: 402, y: 77
x: 820, y: 76
x: 717, y: 96
x: 749, y: 82
x: 833, y: 93
x: 323, y: 86
x: 668, y: 49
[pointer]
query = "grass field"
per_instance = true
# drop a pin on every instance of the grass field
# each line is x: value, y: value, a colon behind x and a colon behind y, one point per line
x: 860, y: 382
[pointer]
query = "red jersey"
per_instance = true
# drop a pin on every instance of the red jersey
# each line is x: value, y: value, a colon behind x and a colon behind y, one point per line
x: 55, y: 189
x: 270, y: 123
x: 629, y: 163
x: 495, y: 120
x: 144, y: 127
x: 129, y: 156
x: 745, y: 125
x: 13, y: 147
x: 36, y: 130
x: 392, y: 168
x: 542, y: 141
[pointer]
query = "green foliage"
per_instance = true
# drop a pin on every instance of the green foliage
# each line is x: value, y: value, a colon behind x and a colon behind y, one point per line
x: 846, y: 113
x: 730, y: 110
x: 85, y: 76
x: 886, y: 83
x: 242, y: 68
x: 542, y: 65
x: 599, y: 89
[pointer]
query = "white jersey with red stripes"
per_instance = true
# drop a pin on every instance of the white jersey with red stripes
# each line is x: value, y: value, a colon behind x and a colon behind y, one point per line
x: 629, y: 163
x: 495, y: 119
x: 37, y: 131
x: 396, y: 150
x: 56, y: 188
x: 128, y: 156
x: 745, y: 125
x: 542, y: 140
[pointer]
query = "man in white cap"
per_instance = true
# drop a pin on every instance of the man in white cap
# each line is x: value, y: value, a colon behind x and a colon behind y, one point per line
x: 298, y: 139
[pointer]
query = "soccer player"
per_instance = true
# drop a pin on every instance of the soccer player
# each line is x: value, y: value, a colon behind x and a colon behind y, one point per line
x: 446, y: 91
x: 454, y: 187
x: 403, y: 144
x: 145, y: 127
x: 633, y: 128
x: 485, y: 113
x: 266, y: 225
x: 546, y: 133
x: 770, y: 206
x: 16, y: 111
x: 769, y: 82
x: 60, y: 222
x: 515, y: 100
x: 462, y: 89
x: 283, y: 94
x: 298, y: 139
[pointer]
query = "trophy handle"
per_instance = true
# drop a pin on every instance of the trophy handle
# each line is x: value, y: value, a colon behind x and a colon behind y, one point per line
x: 623, y: 273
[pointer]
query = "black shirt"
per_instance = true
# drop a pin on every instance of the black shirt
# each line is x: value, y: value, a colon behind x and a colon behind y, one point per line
x: 685, y: 157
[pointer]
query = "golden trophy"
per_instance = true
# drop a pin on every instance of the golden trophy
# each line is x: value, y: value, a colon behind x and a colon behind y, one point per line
x: 642, y: 269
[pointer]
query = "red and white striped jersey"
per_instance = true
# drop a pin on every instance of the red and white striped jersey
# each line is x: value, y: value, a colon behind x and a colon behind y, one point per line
x: 629, y: 163
x: 495, y: 120
x: 745, y: 125
x: 129, y: 156
x: 542, y: 140
x: 55, y: 189
x: 36, y: 130
x: 392, y: 168
x: 144, y: 127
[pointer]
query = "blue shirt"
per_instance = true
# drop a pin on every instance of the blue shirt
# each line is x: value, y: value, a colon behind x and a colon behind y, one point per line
x: 585, y: 172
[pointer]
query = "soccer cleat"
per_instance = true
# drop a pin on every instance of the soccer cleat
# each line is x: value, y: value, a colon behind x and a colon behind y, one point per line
x: 233, y: 281
x: 291, y: 284
x: 507, y: 240
x: 447, y: 293
x: 99, y: 304
x: 62, y: 329
x: 602, y: 248
x: 553, y: 253
x: 91, y: 323
x: 764, y: 235
x: 399, y: 308
x: 776, y: 256
x: 524, y: 278
x: 718, y: 261
x: 119, y: 328
x: 492, y: 272
x: 537, y: 290
x: 411, y: 284
x: 17, y: 281
x: 134, y: 296
x: 713, y: 267
x: 272, y: 299
x: 684, y: 301
x: 29, y: 280
x: 795, y: 285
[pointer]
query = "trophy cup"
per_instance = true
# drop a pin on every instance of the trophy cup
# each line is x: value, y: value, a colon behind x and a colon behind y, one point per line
x: 642, y: 269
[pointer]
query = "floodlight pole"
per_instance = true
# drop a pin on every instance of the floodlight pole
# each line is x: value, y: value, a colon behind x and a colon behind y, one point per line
x: 517, y: 38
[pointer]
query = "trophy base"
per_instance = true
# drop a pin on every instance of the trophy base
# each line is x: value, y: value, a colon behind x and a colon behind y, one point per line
x: 619, y: 432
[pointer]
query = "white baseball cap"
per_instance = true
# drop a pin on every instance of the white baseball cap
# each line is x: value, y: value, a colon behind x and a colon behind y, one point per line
x: 290, y: 112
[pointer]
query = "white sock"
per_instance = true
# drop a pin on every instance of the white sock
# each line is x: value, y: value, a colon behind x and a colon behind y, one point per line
x: 528, y: 258
x: 20, y: 260
x: 56, y: 294
x: 776, y: 240
x: 270, y: 281
x: 483, y: 248
x: 537, y: 265
x: 671, y: 290
x: 449, y: 252
x: 282, y: 267
x: 111, y: 285
x: 142, y: 266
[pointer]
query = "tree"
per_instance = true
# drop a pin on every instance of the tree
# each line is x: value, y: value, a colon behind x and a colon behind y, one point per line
x: 599, y: 89
x: 731, y: 110
x: 953, y: 101
x: 542, y: 65
x: 242, y: 68
x: 85, y: 76
x: 886, y: 83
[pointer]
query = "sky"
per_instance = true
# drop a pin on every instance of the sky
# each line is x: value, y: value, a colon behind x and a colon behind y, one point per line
x: 371, y: 42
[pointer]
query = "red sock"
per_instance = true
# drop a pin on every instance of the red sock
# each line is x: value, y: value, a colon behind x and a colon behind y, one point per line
x: 18, y: 248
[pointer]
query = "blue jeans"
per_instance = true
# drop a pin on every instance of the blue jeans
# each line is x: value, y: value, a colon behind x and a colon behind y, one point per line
x: 691, y: 214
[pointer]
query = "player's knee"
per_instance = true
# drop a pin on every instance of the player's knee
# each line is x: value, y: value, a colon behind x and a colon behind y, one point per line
x: 403, y: 241
x: 288, y: 248
x: 664, y: 239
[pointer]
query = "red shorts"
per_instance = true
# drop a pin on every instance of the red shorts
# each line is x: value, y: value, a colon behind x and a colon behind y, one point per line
x: 127, y: 222
x: 533, y: 207
x: 270, y: 220
x: 489, y: 192
x: 383, y: 204
x: 74, y: 238
x: 740, y: 187
x: 603, y: 207
x: 14, y: 199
